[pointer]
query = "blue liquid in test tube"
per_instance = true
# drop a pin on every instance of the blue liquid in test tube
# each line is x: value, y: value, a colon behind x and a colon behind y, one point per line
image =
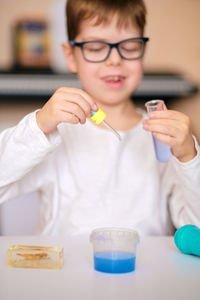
x: 114, y: 262
x: 162, y: 151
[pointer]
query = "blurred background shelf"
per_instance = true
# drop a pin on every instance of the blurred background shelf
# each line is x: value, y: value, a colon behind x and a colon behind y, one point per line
x: 42, y: 85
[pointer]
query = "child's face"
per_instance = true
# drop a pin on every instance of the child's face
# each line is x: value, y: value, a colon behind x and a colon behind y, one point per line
x: 114, y: 80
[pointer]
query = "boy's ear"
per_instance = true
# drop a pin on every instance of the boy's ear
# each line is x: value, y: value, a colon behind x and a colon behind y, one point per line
x: 69, y: 57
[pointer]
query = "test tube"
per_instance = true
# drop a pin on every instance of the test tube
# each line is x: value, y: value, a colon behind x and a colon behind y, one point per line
x: 162, y: 150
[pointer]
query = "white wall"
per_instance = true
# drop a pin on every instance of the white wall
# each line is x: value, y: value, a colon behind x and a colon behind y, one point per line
x: 173, y: 27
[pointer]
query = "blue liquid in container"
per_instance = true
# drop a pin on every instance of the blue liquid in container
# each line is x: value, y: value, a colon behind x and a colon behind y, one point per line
x: 162, y: 150
x: 114, y: 262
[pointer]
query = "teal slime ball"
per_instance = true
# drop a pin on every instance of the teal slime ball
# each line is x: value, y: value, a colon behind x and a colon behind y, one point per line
x: 187, y: 239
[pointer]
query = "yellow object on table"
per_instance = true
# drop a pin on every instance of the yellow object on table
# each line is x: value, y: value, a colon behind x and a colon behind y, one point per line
x: 43, y: 257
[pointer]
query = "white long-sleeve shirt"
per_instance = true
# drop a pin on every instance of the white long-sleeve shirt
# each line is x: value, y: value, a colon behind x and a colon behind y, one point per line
x: 86, y: 179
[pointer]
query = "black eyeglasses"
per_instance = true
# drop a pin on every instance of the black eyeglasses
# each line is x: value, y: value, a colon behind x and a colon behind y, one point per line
x: 98, y: 51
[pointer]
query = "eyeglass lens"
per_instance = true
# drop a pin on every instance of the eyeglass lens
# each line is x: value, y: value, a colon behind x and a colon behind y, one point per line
x: 98, y: 51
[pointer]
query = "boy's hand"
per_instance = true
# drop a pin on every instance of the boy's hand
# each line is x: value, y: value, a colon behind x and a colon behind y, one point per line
x: 172, y: 128
x: 68, y: 105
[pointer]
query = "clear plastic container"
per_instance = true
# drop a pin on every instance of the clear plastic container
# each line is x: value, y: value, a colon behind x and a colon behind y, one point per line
x: 43, y: 257
x: 114, y: 249
x: 162, y: 151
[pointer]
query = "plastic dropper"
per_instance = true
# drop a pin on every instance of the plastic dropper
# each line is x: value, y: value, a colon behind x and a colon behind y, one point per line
x: 98, y: 117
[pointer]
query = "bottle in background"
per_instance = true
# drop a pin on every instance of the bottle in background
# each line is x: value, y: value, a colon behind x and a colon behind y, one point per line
x: 31, y: 43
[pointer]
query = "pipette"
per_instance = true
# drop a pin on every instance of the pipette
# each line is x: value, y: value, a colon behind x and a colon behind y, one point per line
x: 98, y: 118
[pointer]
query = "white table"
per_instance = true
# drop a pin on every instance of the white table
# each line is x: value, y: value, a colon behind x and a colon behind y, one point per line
x: 162, y: 272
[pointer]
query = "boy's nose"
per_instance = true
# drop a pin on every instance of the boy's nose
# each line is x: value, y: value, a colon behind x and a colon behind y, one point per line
x: 114, y: 57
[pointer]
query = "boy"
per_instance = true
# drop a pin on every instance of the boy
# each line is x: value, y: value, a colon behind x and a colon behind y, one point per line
x: 86, y: 177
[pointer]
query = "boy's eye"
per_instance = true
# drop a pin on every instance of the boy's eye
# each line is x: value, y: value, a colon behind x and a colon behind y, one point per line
x: 131, y: 46
x: 94, y: 47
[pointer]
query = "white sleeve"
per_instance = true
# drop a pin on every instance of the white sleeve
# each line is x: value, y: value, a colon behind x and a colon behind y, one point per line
x: 22, y: 149
x: 184, y: 202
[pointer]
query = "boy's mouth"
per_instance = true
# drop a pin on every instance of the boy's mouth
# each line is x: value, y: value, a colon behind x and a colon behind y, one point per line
x: 114, y: 78
x: 114, y: 81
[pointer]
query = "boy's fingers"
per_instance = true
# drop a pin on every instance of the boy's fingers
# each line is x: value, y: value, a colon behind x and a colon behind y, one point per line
x: 167, y: 114
x: 162, y: 126
x: 167, y: 139
x: 89, y: 99
x: 164, y: 106
x: 82, y: 94
x: 77, y: 99
x: 75, y: 109
x: 171, y: 131
x: 68, y: 118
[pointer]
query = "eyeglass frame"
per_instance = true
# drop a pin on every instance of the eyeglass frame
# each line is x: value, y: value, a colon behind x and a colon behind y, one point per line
x: 111, y: 45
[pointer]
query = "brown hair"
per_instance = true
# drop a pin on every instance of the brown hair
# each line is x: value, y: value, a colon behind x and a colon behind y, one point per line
x: 78, y: 11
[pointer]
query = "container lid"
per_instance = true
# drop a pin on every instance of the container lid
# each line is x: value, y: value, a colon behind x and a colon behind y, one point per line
x: 114, y: 233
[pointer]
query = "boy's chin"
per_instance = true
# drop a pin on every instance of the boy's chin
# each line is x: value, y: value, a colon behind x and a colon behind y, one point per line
x: 111, y: 101
x: 113, y: 97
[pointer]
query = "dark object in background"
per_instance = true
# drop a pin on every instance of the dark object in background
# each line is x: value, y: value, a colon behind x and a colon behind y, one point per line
x: 187, y: 239
x: 31, y: 44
